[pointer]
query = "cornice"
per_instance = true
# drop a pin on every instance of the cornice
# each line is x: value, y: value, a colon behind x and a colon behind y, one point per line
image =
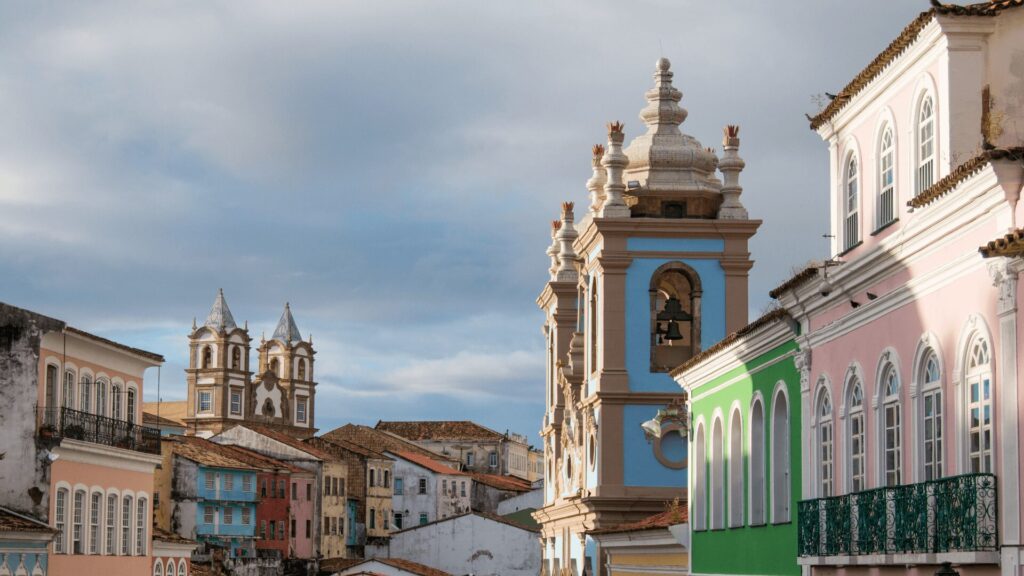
x: 740, y: 352
x: 622, y: 398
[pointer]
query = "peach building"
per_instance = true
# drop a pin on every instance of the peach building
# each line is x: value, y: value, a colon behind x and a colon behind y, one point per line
x: 910, y: 387
x: 102, y: 461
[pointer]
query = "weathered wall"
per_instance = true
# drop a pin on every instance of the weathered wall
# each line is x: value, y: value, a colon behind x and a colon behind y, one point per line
x: 533, y: 499
x: 470, y: 544
x: 24, y: 468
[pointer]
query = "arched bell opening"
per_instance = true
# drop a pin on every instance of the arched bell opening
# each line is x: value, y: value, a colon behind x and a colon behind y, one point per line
x: 675, y: 294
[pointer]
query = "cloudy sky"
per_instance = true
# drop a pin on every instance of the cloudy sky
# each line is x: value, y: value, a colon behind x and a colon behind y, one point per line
x: 390, y: 168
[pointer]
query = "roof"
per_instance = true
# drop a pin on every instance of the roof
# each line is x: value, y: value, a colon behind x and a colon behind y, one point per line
x: 153, y: 356
x: 254, y: 458
x: 898, y: 46
x: 428, y: 463
x: 768, y: 319
x: 207, y: 453
x: 962, y: 173
x: 220, y: 315
x: 341, y: 564
x: 662, y: 520
x: 524, y: 518
x: 342, y: 444
x: 11, y: 521
x: 287, y: 330
x: 808, y: 273
x: 165, y: 536
x: 176, y: 411
x: 381, y: 441
x: 440, y: 430
x: 492, y: 517
x: 1010, y: 244
x: 289, y: 441
x: 510, y: 483
x: 151, y: 419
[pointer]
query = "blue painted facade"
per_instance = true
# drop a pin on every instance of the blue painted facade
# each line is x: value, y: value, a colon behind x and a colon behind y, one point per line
x: 353, y: 508
x: 229, y: 494
x: 16, y: 555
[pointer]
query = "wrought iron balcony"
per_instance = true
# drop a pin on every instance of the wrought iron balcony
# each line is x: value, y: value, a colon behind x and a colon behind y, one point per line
x: 955, y: 514
x: 59, y: 423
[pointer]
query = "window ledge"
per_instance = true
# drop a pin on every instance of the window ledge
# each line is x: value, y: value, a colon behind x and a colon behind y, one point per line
x: 850, y: 249
x: 882, y: 228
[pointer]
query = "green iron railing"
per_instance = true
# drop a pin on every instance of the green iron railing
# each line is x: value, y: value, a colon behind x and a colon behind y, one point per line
x: 955, y: 514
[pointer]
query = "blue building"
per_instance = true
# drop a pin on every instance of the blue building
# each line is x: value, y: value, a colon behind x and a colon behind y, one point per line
x: 210, y: 494
x: 23, y: 542
x: 653, y: 273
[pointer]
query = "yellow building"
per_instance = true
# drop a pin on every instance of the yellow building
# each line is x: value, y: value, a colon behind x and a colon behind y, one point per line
x: 655, y: 545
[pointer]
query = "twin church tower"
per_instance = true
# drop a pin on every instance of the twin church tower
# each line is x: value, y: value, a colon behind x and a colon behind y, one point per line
x: 224, y: 389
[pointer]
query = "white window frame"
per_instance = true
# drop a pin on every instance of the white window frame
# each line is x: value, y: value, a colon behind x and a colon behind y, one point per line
x: 979, y: 376
x: 204, y: 401
x: 60, y: 516
x: 885, y: 212
x: 78, y: 522
x: 112, y: 501
x: 825, y: 445
x: 757, y: 462
x: 925, y: 135
x: 851, y: 202
x: 141, y: 514
x: 85, y: 393
x: 717, y: 472
x: 932, y: 417
x: 236, y: 401
x: 126, y: 525
x: 95, y: 513
x: 735, y: 467
x: 101, y: 386
x: 116, y: 401
x: 700, y: 479
x: 857, y: 476
x: 782, y: 496
x: 300, y: 409
x: 891, y: 437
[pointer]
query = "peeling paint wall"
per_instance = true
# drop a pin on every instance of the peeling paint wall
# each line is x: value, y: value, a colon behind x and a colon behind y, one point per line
x: 24, y: 468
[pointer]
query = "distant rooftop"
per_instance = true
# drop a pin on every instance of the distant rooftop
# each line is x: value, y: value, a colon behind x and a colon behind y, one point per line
x: 416, y: 430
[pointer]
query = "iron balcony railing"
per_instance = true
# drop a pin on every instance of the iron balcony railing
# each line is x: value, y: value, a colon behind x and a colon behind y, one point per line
x: 955, y: 514
x: 58, y: 423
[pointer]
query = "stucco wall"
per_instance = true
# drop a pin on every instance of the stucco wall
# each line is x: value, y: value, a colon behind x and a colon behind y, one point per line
x: 531, y: 499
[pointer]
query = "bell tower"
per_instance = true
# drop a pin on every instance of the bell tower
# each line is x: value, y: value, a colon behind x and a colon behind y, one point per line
x: 652, y: 274
x: 284, y: 393
x: 218, y: 372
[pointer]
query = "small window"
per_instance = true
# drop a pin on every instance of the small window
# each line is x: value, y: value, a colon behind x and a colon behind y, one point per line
x: 205, y: 402
x: 399, y: 487
x: 236, y: 402
x: 246, y: 516
x: 247, y: 483
x: 887, y: 183
x: 101, y: 397
x: 126, y: 526
x: 423, y: 486
x: 130, y: 406
x: 373, y: 518
x: 470, y: 459
x: 60, y: 512
x: 115, y: 402
x: 67, y: 398
x: 236, y: 358
x: 111, y: 524
x: 295, y: 491
x: 95, y: 507
x: 85, y: 390
x: 925, y: 146
x: 398, y: 520
x: 229, y: 515
x: 302, y: 369
x: 423, y: 518
x: 309, y: 492
x: 851, y: 236
x: 300, y: 410
x: 158, y: 568
x: 373, y: 477
x: 207, y: 358
x: 211, y: 481
x: 141, y: 515
x: 492, y: 459
x: 208, y: 512
x: 229, y: 482
x: 463, y: 488
x: 77, y: 529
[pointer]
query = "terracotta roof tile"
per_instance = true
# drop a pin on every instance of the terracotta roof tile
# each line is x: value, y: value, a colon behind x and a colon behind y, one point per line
x: 290, y: 441
x: 662, y: 520
x: 11, y: 521
x: 333, y: 444
x: 165, y: 536
x: 259, y: 460
x: 150, y: 419
x: 797, y: 280
x: 207, y: 453
x: 962, y: 173
x: 898, y: 46
x: 510, y: 483
x: 428, y: 463
x: 768, y: 319
x: 382, y: 441
x: 1010, y: 244
x: 440, y: 430
x: 341, y: 564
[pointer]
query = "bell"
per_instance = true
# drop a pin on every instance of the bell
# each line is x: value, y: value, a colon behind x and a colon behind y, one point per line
x: 673, y: 310
x: 672, y: 331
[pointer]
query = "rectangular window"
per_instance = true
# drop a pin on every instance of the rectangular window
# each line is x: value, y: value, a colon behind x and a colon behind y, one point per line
x: 340, y: 490
x: 300, y: 410
x: 327, y: 486
x: 280, y: 530
x: 398, y: 520
x: 263, y: 529
x: 470, y: 457
x: 211, y: 481
x: 126, y: 526
x: 247, y: 483
x: 399, y: 486
x: 236, y: 402
x: 205, y: 402
x: 208, y: 514
x: 229, y: 515
x: 293, y: 528
x: 933, y: 435
x: 309, y: 528
x: 825, y: 430
x: 893, y: 445
x: 373, y: 518
x: 309, y: 492
x: 95, y: 504
x: 979, y: 417
x: 273, y: 530
x: 423, y: 518
x: 463, y: 488
x: 60, y: 516
x: 444, y: 487
x: 229, y: 482
x: 140, y: 527
x: 857, y: 472
x: 246, y: 516
x: 423, y: 486
x: 77, y: 536
x: 280, y: 489
x: 263, y: 488
x: 295, y: 491
x: 112, y: 524
x: 341, y: 525
x: 493, y: 459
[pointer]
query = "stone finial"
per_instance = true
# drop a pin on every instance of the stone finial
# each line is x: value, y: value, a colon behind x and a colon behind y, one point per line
x: 614, y: 162
x: 595, y: 185
x: 730, y: 166
x: 566, y: 235
x: 552, y: 251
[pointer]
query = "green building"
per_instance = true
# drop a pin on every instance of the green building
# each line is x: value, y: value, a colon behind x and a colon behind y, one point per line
x: 744, y: 401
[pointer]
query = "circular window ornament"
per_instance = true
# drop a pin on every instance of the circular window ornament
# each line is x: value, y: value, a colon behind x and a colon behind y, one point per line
x: 670, y: 447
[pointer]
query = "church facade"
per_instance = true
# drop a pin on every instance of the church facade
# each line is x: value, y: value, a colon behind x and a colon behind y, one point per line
x: 654, y: 272
x: 225, y: 390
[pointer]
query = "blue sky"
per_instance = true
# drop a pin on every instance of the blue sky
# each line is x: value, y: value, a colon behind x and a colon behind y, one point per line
x: 390, y: 168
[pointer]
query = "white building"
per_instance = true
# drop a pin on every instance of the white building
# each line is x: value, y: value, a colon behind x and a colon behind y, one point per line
x: 426, y: 490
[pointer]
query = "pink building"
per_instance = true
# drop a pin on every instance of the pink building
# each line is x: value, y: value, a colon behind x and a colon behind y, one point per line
x: 910, y: 401
x: 102, y: 461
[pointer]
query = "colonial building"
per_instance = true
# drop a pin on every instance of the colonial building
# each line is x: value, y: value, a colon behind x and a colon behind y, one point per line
x: 224, y: 390
x: 426, y: 490
x: 654, y: 272
x: 910, y: 370
x: 654, y: 545
x: 477, y: 447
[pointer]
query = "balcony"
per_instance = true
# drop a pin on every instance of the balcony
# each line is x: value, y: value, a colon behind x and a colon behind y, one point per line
x: 951, y: 516
x: 60, y: 423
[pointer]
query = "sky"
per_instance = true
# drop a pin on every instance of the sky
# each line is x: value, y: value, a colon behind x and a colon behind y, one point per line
x: 390, y: 168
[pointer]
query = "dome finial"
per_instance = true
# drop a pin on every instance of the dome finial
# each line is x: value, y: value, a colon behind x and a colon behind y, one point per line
x: 663, y: 64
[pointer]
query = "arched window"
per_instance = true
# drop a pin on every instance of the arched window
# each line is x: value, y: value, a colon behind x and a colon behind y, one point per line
x: 130, y: 406
x: 675, y: 295
x: 373, y: 477
x: 207, y: 358
x: 979, y: 407
x: 95, y: 508
x: 886, y: 180
x: 111, y: 524
x: 85, y: 393
x: 858, y: 473
x: 51, y: 387
x: 735, y: 470
x: 931, y: 417
x: 592, y: 322
x: 826, y: 444
x: 181, y: 568
x: 101, y: 397
x: 170, y: 568
x: 115, y: 401
x: 67, y: 397
x: 78, y: 523
x: 780, y: 457
x: 126, y: 526
x: 236, y: 358
x: 925, y: 145
x: 717, y: 473
x: 158, y: 568
x: 274, y: 367
x: 700, y: 480
x: 892, y: 427
x: 851, y: 227
x: 140, y: 526
x: 60, y: 517
x: 757, y: 472
x: 302, y: 368
x: 387, y: 479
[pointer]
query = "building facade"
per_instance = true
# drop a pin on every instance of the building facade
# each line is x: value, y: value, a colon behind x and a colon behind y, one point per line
x: 655, y: 272
x: 910, y: 394
x: 478, y: 448
x: 745, y: 444
x: 425, y: 490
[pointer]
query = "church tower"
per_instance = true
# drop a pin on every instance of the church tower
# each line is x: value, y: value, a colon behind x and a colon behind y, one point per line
x: 653, y: 272
x: 284, y: 392
x: 218, y: 373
